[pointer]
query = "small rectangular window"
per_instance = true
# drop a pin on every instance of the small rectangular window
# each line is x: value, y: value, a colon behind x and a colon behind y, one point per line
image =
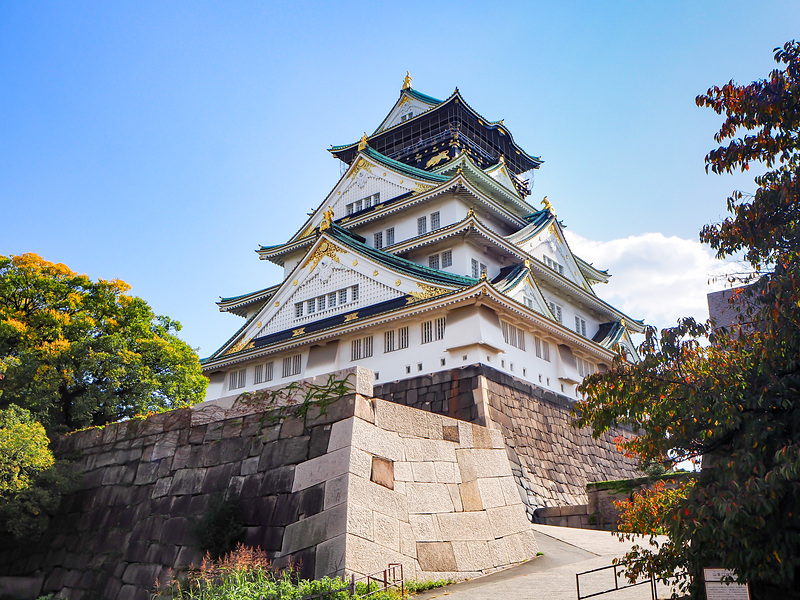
x: 268, y: 369
x: 447, y: 258
x: 291, y: 365
x: 378, y: 239
x: 556, y: 310
x: 332, y: 299
x: 427, y: 332
x: 312, y: 305
x: 355, y: 292
x: 357, y: 206
x: 350, y: 209
x: 298, y: 309
x: 390, y: 236
x: 433, y: 330
x: 433, y: 261
x: 402, y: 338
x: 435, y: 220
x: 542, y: 348
x: 321, y: 303
x: 475, y: 269
x: 361, y: 348
x: 258, y: 374
x: 237, y: 379
x: 422, y: 225
x: 389, y: 341
x: 580, y: 326
x: 343, y: 296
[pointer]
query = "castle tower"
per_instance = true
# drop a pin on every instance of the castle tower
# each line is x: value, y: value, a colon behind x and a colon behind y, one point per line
x: 426, y: 256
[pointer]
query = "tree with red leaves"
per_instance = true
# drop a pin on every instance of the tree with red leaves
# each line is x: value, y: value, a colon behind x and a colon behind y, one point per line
x: 734, y: 402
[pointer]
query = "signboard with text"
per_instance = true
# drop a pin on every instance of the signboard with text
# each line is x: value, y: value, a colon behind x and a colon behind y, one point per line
x: 716, y: 589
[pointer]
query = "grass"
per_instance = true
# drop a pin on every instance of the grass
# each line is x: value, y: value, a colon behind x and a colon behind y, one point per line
x: 246, y: 574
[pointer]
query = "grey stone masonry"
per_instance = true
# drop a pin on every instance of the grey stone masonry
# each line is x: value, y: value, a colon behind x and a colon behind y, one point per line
x: 552, y: 461
x: 345, y: 490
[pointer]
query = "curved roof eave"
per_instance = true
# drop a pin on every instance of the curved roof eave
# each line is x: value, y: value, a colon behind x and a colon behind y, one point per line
x: 455, y: 96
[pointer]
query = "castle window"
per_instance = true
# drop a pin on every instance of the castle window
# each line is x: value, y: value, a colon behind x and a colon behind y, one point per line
x: 556, y: 310
x: 361, y: 348
x: 433, y: 330
x: 447, y: 258
x: 542, y: 348
x: 433, y: 261
x: 527, y: 301
x: 291, y: 365
x: 237, y: 379
x: 390, y: 236
x: 478, y: 268
x: 357, y: 205
x: 395, y: 339
x: 435, y: 220
x: 584, y: 367
x: 580, y: 326
x: 422, y: 225
x: 513, y: 336
x: 329, y: 300
x: 378, y: 238
x: 555, y: 266
x: 263, y: 373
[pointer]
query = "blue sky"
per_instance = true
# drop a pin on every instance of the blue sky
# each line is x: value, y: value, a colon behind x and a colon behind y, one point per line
x: 161, y: 143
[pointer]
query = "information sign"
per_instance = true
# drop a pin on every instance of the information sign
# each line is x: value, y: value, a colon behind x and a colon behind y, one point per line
x: 716, y: 589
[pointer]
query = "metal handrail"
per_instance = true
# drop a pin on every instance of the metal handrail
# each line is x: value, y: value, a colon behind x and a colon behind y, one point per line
x: 388, y: 578
x: 651, y: 580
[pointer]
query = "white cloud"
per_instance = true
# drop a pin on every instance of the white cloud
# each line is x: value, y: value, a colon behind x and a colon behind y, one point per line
x: 653, y: 277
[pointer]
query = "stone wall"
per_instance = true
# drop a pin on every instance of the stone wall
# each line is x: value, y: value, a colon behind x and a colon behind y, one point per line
x: 551, y: 460
x: 348, y: 491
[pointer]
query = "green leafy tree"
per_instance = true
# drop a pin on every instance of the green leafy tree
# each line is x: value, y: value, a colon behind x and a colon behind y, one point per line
x: 76, y: 352
x: 733, y: 402
x: 31, y: 480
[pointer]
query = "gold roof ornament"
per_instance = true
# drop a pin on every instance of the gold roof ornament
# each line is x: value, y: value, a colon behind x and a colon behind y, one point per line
x: 327, y: 219
x: 471, y: 212
x: 547, y: 205
x: 483, y: 274
x: 622, y: 322
x: 407, y: 81
x: 502, y: 159
x: 527, y: 264
x: 363, y: 143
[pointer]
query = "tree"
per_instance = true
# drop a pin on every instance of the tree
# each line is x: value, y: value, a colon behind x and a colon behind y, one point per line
x: 76, y: 352
x: 734, y: 402
x: 31, y: 480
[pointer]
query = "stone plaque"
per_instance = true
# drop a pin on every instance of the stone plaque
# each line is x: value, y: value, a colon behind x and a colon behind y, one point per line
x: 716, y: 589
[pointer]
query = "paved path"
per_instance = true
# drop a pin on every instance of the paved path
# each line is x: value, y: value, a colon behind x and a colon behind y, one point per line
x: 567, y: 551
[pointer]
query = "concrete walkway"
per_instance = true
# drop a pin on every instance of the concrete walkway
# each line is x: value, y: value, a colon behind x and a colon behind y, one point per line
x: 567, y: 551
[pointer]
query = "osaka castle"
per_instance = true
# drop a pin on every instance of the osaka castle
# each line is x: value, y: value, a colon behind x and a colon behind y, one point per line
x: 426, y: 256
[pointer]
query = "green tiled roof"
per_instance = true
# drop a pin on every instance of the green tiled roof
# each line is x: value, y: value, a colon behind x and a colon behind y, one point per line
x: 400, y: 264
x: 404, y: 168
x: 240, y: 296
x: 422, y: 97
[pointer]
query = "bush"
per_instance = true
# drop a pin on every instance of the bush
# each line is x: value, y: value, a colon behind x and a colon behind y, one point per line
x: 220, y: 528
x: 31, y: 480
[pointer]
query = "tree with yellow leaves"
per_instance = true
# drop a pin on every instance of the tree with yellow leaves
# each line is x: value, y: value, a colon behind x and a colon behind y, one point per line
x: 77, y: 352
